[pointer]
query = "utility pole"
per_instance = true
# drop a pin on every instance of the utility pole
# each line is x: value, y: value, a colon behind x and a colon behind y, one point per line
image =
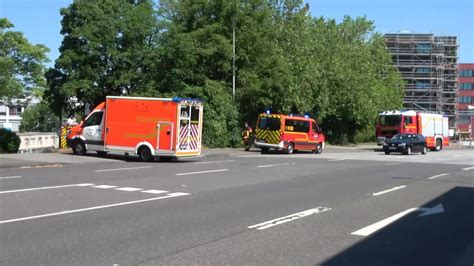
x: 233, y: 57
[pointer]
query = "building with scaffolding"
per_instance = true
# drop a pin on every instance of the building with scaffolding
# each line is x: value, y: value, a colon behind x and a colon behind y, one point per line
x: 428, y: 65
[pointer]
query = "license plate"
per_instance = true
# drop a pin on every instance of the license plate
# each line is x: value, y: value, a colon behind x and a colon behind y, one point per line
x: 392, y: 148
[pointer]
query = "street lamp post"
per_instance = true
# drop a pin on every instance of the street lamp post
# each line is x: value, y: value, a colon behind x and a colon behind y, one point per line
x: 470, y: 107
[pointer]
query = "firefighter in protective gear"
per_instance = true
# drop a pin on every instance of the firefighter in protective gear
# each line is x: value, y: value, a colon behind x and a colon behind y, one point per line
x: 247, y: 136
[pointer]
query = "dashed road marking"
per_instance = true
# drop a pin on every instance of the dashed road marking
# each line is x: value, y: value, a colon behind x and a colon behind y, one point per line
x: 388, y: 190
x: 204, y: 172
x: 392, y: 164
x: 41, y: 188
x: 209, y: 162
x: 154, y: 191
x: 337, y: 160
x: 170, y: 195
x: 436, y: 176
x: 123, y: 169
x: 129, y: 189
x: 10, y: 177
x: 105, y: 186
x: 272, y: 165
x: 288, y: 218
x: 468, y: 168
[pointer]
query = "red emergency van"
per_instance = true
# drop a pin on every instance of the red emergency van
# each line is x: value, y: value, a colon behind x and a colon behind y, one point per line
x: 147, y: 127
x: 288, y: 133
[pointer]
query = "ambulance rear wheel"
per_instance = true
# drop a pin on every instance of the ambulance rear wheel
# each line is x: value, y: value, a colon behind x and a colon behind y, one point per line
x: 290, y: 148
x: 145, y: 154
x: 78, y: 147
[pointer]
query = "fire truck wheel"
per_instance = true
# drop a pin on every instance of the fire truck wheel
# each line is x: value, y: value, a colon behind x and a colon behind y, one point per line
x: 145, y: 154
x: 439, y: 145
x: 78, y: 147
x: 290, y: 148
x: 424, y: 151
x: 264, y: 150
x: 319, y: 148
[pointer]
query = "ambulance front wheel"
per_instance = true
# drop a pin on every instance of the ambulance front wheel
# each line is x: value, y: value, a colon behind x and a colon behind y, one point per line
x: 78, y: 147
x: 319, y: 148
x: 145, y: 154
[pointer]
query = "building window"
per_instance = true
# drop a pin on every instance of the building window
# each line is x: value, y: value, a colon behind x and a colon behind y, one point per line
x: 464, y: 119
x: 466, y: 73
x: 465, y: 86
x: 423, y: 48
x: 422, y: 84
x: 465, y: 99
x: 423, y: 70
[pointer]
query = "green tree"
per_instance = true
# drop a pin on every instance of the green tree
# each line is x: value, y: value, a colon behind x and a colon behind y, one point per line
x: 21, y: 63
x: 106, y: 50
x: 39, y: 118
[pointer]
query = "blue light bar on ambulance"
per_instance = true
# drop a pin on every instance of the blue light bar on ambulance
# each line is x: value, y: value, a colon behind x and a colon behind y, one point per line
x: 306, y: 115
x: 268, y: 111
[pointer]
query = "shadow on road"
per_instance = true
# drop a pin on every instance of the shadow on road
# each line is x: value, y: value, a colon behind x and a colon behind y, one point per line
x: 445, y: 238
x: 135, y: 159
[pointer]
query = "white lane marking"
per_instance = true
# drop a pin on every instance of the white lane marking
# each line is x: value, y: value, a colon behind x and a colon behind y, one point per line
x: 379, y: 225
x: 85, y: 185
x: 388, y: 190
x: 39, y: 188
x: 129, y: 189
x: 121, y: 169
x: 392, y: 164
x: 208, y: 162
x: 271, y: 165
x: 468, y: 168
x: 436, y: 176
x: 154, y: 191
x: 204, y: 172
x: 10, y: 177
x: 288, y: 218
x: 458, y: 155
x: 170, y: 195
x: 337, y: 160
x: 105, y: 186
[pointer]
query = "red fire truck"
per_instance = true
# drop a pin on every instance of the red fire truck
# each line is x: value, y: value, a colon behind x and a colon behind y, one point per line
x: 147, y: 127
x: 434, y: 127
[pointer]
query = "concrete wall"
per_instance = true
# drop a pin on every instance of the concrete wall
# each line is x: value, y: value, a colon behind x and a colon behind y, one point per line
x: 37, y: 142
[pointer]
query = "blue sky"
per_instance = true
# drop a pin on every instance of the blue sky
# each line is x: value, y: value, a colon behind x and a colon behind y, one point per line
x: 39, y: 20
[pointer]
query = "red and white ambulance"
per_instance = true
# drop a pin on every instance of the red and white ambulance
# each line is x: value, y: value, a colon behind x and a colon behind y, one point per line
x: 434, y: 127
x: 147, y: 127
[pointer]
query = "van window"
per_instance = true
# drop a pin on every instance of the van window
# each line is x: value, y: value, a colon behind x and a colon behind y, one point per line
x: 296, y: 125
x: 408, y: 120
x: 94, y: 119
x: 315, y: 127
x: 269, y: 123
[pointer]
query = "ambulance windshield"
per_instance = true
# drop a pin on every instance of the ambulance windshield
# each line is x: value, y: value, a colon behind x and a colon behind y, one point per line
x: 390, y: 120
x: 269, y: 123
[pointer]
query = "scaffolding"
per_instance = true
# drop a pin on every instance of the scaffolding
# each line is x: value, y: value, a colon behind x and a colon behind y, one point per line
x: 428, y: 65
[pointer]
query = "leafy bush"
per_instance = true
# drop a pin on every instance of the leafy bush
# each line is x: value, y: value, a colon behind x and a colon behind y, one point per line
x: 9, y: 141
x: 39, y: 118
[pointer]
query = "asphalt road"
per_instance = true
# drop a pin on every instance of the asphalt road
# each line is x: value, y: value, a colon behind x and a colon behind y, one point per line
x: 337, y: 208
